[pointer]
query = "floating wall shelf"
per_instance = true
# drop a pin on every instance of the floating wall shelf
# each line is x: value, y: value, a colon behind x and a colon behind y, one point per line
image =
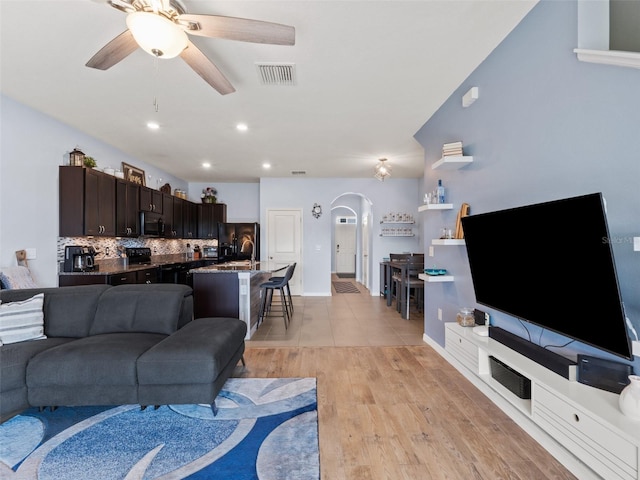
x: 435, y: 206
x: 452, y: 241
x: 451, y: 163
x: 435, y: 278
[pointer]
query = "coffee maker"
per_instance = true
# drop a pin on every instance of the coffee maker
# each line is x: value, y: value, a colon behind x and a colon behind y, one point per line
x: 79, y: 259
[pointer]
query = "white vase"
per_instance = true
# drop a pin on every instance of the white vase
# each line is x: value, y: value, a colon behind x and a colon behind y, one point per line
x: 630, y: 398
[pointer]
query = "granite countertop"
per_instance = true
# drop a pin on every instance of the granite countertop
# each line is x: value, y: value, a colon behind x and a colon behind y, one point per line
x: 117, y: 266
x: 233, y: 267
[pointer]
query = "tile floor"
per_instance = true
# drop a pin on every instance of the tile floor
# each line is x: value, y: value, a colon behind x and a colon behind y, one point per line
x: 344, y: 319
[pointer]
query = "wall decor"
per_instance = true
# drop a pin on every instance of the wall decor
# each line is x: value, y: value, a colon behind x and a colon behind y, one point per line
x: 133, y: 174
x: 316, y: 211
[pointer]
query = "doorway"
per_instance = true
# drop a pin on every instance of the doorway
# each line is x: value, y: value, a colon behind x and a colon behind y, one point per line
x: 351, y: 218
x: 345, y: 247
x: 284, y: 231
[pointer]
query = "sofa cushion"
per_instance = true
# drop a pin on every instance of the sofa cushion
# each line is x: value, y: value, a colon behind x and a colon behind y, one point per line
x: 99, y: 360
x: 197, y: 353
x: 68, y: 311
x: 139, y: 308
x: 14, y: 359
x: 20, y: 321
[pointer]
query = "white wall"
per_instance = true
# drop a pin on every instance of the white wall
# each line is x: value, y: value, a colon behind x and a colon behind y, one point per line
x: 242, y: 199
x: 33, y: 145
x: 398, y: 195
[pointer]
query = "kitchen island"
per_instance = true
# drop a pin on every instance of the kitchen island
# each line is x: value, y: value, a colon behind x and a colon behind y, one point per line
x: 230, y: 289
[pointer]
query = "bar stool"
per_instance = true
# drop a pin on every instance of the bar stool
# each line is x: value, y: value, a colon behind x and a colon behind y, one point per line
x: 266, y: 307
x: 286, y: 287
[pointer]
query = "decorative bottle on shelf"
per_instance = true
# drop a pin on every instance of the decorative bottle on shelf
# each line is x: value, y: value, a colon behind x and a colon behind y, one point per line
x: 630, y: 398
x: 440, y: 192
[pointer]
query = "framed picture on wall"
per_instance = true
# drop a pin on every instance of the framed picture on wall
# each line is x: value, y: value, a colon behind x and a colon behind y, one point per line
x: 133, y: 174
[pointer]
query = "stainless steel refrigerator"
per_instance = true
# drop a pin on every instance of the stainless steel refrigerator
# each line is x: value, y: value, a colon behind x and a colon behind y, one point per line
x: 238, y: 241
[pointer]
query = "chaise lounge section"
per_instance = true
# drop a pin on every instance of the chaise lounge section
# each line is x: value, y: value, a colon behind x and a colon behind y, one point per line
x: 118, y: 345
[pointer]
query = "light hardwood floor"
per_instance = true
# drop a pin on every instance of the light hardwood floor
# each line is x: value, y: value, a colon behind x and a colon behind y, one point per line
x: 389, y: 406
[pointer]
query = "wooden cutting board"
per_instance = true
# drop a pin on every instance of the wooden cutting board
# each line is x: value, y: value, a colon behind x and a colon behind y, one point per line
x: 464, y: 211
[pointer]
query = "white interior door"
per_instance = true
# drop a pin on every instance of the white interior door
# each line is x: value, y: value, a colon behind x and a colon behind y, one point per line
x: 284, y: 243
x: 345, y: 238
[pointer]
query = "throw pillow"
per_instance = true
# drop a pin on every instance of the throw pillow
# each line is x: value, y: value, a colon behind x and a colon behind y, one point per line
x: 20, y: 321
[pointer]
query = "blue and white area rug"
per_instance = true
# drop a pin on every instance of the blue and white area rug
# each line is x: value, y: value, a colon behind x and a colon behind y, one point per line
x: 265, y: 429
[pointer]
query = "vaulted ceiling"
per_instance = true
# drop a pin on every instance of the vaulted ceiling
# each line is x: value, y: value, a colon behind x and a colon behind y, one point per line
x: 369, y: 74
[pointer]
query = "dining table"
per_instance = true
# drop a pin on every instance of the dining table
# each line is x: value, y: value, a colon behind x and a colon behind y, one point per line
x: 404, y: 268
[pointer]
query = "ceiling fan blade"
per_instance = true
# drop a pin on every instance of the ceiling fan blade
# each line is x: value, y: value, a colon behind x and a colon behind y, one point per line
x: 206, y: 69
x: 242, y: 29
x: 114, y: 51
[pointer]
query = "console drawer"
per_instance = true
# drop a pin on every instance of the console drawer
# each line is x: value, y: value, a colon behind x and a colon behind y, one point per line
x: 603, y: 450
x: 461, y: 349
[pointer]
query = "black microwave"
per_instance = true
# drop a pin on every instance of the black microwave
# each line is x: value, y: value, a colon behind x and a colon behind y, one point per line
x: 151, y: 224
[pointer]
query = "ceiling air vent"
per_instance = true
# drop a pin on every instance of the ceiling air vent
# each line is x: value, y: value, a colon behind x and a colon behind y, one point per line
x: 298, y: 172
x: 277, y: 73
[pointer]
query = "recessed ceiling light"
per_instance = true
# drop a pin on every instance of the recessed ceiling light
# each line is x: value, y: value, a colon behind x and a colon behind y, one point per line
x: 266, y: 166
x: 242, y: 127
x: 206, y: 165
x: 153, y: 125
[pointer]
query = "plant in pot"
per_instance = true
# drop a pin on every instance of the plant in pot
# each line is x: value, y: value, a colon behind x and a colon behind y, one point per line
x: 90, y: 162
x: 209, y: 195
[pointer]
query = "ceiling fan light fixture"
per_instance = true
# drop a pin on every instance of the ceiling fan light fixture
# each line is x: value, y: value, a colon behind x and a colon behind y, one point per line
x: 383, y: 170
x: 157, y: 35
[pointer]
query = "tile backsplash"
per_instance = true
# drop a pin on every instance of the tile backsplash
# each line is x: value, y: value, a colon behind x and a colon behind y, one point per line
x: 107, y: 247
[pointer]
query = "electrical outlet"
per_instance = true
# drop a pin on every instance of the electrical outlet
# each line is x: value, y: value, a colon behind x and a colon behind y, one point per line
x: 636, y: 244
x: 431, y: 251
x: 636, y: 348
x: 440, y: 314
x: 487, y: 318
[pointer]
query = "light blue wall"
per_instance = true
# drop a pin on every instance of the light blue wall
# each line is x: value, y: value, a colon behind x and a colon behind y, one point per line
x: 242, y: 199
x: 33, y: 145
x: 545, y: 126
x: 397, y: 195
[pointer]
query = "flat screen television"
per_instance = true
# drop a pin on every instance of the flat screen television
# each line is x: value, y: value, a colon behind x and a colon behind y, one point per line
x: 551, y: 264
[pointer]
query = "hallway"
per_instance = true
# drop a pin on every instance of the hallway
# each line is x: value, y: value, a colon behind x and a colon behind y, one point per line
x: 344, y: 319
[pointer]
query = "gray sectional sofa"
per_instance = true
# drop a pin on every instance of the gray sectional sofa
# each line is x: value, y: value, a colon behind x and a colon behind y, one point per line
x: 128, y: 344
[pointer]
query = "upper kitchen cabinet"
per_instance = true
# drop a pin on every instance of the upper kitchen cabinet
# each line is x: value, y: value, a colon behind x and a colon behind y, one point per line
x: 178, y: 209
x: 127, y: 209
x: 209, y: 215
x: 190, y: 220
x: 150, y: 200
x: 87, y: 202
x: 167, y: 215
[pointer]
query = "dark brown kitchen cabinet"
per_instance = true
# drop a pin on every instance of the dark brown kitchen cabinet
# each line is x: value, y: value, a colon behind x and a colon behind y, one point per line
x: 189, y: 220
x: 87, y: 202
x: 127, y: 209
x: 150, y: 200
x: 178, y: 217
x: 123, y: 278
x: 167, y: 216
x: 209, y: 215
x: 147, y: 276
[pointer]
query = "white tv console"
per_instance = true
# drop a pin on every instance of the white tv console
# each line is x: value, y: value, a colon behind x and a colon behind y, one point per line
x: 580, y: 425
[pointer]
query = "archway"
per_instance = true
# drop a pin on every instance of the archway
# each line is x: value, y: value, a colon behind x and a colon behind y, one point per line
x: 357, y: 207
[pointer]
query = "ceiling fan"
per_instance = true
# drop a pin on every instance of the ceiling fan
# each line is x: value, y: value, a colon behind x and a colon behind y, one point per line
x: 160, y: 28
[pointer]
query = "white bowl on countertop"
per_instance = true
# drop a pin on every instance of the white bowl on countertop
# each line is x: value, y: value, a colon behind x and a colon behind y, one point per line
x: 109, y: 171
